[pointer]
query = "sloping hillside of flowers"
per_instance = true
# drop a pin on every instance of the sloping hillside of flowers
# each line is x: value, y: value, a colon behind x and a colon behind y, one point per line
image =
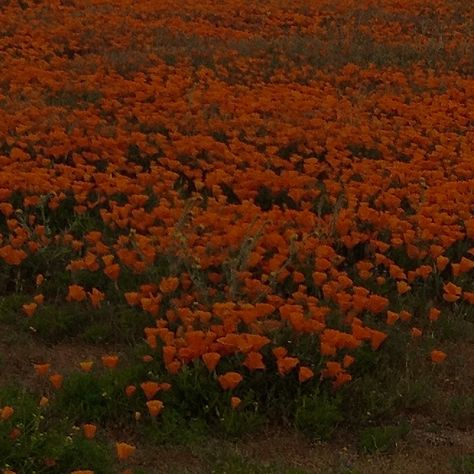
x: 254, y: 198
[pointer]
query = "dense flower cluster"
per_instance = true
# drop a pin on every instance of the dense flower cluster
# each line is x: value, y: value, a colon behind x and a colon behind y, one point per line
x: 239, y: 170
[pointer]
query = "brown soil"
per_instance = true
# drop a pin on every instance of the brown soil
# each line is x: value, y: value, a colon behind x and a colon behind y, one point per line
x: 19, y: 351
x: 423, y: 452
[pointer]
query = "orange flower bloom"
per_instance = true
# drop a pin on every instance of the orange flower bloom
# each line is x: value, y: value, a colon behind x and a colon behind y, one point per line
x: 89, y: 430
x: 287, y: 364
x: 451, y: 292
x: 438, y: 356
x: 86, y: 365
x: 304, y: 374
x: 254, y: 361
x: 403, y: 287
x: 110, y: 361
x: 133, y: 298
x: 29, y: 309
x: 112, y: 271
x: 405, y: 315
x: 376, y: 339
x: 319, y: 278
x: 415, y: 332
x: 230, y: 380
x: 150, y: 389
x: 468, y: 296
x: 377, y: 304
x: 6, y: 412
x: 41, y: 369
x: 347, y: 361
x: 130, y: 390
x: 466, y: 265
x: 392, y: 318
x: 168, y: 285
x: 441, y: 262
x: 154, y: 407
x: 124, y: 450
x: 165, y: 386
x: 173, y: 367
x: 433, y: 314
x: 96, y: 297
x: 327, y: 349
x: 279, y: 352
x: 76, y: 293
x: 235, y: 402
x: 56, y: 380
x: 211, y: 359
x: 38, y: 299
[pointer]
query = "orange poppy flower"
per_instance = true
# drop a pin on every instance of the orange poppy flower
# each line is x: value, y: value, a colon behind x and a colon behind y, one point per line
x: 56, y: 380
x: 347, y: 361
x: 124, y: 450
x: 41, y: 369
x: 110, y: 361
x: 29, y: 309
x: 168, y: 285
x: 154, y: 407
x: 392, y: 318
x: 451, y: 292
x: 433, y: 314
x: 130, y: 390
x: 173, y: 367
x: 377, y: 304
x: 405, y: 315
x: 12, y: 256
x: 441, y: 262
x: 76, y: 293
x: 112, y: 271
x: 254, y: 361
x: 376, y: 338
x: 89, y: 430
x: 96, y: 297
x: 327, y: 349
x: 211, y: 359
x: 6, y: 412
x: 468, y: 296
x: 380, y: 280
x: 235, y: 402
x: 466, y: 265
x: 38, y: 299
x: 403, y: 287
x: 86, y: 365
x: 287, y: 364
x: 132, y: 297
x: 304, y: 374
x: 438, y: 356
x: 415, y: 332
x: 319, y: 278
x: 279, y: 352
x: 341, y: 379
x: 150, y: 389
x: 230, y: 380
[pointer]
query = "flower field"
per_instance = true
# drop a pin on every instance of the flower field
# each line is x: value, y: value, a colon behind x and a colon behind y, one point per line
x: 227, y: 214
